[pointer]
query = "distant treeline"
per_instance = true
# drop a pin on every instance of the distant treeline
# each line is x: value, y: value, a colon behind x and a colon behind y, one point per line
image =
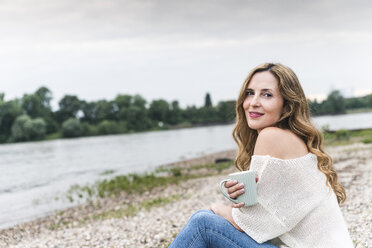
x: 337, y: 104
x: 32, y: 118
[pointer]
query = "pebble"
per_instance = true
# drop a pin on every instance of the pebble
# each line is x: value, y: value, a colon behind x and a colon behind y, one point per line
x: 158, y: 226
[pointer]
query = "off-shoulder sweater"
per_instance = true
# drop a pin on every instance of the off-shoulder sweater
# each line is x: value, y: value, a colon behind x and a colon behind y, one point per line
x: 295, y: 206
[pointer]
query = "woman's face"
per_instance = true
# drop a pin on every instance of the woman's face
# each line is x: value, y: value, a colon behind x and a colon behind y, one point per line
x: 263, y: 104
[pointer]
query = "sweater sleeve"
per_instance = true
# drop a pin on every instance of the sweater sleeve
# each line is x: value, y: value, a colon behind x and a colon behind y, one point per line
x: 287, y: 190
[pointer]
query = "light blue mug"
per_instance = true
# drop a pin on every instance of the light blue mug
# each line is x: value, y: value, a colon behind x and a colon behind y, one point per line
x: 248, y: 178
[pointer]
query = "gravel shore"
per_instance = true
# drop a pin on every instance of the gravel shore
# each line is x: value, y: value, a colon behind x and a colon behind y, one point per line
x: 156, y: 225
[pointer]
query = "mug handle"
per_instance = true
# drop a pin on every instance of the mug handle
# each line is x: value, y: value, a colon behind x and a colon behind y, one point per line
x: 222, y: 183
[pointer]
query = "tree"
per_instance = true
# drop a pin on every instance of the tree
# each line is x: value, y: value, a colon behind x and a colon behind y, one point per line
x: 45, y: 95
x: 335, y: 102
x: 159, y: 110
x: 208, y: 101
x: 9, y: 111
x: 25, y: 129
x: 89, y: 110
x: 175, y: 114
x: 38, y: 105
x: 123, y: 101
x: 226, y: 111
x: 33, y: 106
x: 37, y: 129
x: 69, y: 106
x: 71, y: 128
x: 315, y: 107
x: 139, y: 101
x: 104, y: 110
x: 208, y: 115
x: 137, y: 119
x: 191, y: 114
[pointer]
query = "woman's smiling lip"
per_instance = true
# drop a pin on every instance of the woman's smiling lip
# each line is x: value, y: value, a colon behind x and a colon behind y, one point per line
x: 255, y: 114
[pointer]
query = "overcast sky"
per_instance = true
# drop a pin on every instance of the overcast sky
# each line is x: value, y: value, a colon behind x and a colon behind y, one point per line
x: 179, y: 50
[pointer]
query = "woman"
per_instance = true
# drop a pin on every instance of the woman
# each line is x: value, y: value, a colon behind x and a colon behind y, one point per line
x: 298, y: 191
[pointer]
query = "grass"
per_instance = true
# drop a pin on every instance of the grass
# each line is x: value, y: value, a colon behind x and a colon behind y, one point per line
x: 131, y: 210
x: 54, y: 136
x: 346, y: 137
x: 367, y: 141
x: 134, y: 184
x: 124, y: 211
x: 107, y: 172
x: 360, y: 110
x: 139, y: 183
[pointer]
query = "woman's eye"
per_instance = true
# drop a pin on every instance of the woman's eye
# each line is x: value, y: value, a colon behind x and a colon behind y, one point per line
x: 249, y: 93
x: 268, y: 95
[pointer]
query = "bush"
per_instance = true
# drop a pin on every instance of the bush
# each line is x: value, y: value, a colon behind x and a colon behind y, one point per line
x: 176, y: 172
x: 71, y: 128
x: 88, y: 129
x: 342, y: 134
x: 367, y: 141
x: 26, y: 129
x: 111, y: 127
x: 36, y: 129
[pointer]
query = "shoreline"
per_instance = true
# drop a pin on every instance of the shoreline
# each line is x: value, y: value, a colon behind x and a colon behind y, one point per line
x: 39, y: 223
x: 151, y: 219
x: 54, y: 137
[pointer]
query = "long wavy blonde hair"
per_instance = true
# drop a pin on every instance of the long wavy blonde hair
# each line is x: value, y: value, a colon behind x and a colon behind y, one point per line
x: 296, y: 117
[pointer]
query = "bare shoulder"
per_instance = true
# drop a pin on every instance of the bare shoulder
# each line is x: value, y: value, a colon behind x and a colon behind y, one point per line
x: 279, y: 143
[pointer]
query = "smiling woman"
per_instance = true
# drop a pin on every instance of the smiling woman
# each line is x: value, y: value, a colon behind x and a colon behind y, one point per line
x: 263, y: 104
x: 298, y: 192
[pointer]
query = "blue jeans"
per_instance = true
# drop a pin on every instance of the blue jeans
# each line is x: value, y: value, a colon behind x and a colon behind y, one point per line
x: 207, y: 229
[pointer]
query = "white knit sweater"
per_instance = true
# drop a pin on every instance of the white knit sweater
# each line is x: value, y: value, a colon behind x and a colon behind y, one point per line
x: 294, y: 206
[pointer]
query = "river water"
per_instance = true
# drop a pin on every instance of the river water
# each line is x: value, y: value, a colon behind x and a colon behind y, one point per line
x: 34, y: 174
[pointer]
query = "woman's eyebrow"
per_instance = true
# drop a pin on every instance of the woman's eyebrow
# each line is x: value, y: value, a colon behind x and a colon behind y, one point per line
x: 268, y: 89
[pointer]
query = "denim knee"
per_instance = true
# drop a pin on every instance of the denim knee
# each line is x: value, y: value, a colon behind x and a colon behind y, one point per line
x: 202, y: 218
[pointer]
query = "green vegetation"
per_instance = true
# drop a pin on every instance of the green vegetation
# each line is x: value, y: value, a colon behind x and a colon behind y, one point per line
x: 108, y: 172
x: 32, y: 118
x: 337, y: 104
x: 367, y: 141
x: 71, y: 128
x: 131, y: 210
x: 24, y: 129
x: 135, y: 183
x: 123, y: 211
x: 344, y: 137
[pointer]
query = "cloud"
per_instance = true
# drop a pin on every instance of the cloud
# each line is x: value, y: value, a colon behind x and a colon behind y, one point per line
x: 110, y: 20
x: 202, y: 44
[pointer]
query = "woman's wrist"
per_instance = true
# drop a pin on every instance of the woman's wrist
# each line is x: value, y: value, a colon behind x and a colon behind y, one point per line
x: 225, y: 212
x: 231, y: 219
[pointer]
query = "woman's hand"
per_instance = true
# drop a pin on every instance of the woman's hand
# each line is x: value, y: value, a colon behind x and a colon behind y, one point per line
x: 225, y: 212
x: 234, y: 190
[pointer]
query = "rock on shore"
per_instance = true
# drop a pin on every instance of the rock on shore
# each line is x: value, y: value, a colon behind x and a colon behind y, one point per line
x: 157, y: 226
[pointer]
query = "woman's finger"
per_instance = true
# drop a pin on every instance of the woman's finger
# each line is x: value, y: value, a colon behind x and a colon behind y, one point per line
x: 236, y: 193
x: 235, y: 188
x: 237, y: 205
x: 230, y: 183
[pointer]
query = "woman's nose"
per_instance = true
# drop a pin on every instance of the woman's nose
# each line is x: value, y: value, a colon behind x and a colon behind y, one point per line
x: 255, y: 101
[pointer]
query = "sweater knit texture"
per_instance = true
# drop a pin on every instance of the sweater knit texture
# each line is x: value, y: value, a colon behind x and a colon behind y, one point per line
x: 295, y: 207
